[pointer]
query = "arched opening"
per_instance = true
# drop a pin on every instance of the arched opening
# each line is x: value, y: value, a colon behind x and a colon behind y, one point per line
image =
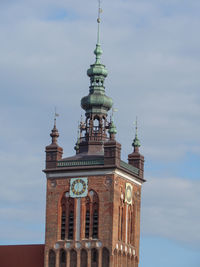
x: 132, y: 261
x: 136, y: 262
x: 124, y: 260
x: 120, y: 259
x: 115, y: 258
x: 52, y: 258
x: 105, y: 257
x: 84, y: 258
x: 94, y: 257
x: 67, y: 217
x: 73, y: 258
x: 62, y: 258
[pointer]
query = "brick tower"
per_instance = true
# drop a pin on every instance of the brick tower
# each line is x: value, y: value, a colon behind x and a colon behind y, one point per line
x: 93, y: 198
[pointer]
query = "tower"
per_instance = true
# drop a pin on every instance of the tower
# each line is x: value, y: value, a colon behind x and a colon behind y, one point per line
x: 93, y: 198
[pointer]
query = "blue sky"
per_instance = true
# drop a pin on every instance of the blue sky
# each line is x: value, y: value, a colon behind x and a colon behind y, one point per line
x: 151, y: 50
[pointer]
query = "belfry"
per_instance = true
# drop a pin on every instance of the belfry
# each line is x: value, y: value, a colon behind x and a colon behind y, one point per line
x: 93, y: 198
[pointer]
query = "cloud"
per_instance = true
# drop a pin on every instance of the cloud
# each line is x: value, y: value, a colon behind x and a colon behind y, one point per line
x: 170, y: 209
x: 151, y: 50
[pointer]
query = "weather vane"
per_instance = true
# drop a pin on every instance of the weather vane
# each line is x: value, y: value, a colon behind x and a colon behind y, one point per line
x: 55, y: 115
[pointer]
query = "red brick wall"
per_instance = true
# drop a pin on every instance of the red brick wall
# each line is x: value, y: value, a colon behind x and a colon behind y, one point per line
x: 22, y: 256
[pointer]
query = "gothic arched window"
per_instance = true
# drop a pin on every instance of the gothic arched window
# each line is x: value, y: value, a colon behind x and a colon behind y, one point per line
x: 67, y: 217
x: 62, y: 258
x: 94, y: 257
x: 73, y: 258
x: 91, y: 215
x: 52, y: 258
x: 105, y: 257
x: 84, y: 258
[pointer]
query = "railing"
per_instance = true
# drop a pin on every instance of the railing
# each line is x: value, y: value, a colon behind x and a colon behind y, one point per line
x: 75, y: 163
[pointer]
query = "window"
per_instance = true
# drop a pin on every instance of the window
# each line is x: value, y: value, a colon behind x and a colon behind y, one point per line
x: 73, y: 258
x: 52, y: 258
x: 67, y: 217
x: 84, y: 258
x: 62, y: 258
x: 95, y: 224
x: 94, y: 257
x: 95, y: 215
x: 122, y: 223
x: 87, y: 218
x: 92, y: 215
x: 105, y: 257
x: 71, y: 225
x: 63, y: 223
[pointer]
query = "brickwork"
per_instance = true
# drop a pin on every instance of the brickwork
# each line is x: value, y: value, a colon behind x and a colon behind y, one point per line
x: 111, y: 194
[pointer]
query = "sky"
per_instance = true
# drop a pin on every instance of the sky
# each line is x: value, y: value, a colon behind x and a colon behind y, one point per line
x: 151, y: 49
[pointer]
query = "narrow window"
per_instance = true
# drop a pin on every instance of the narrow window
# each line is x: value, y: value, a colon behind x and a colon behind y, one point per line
x: 105, y: 257
x: 84, y: 258
x: 73, y: 258
x: 95, y: 215
x: 87, y: 218
x: 95, y: 224
x: 67, y: 217
x: 62, y: 258
x: 122, y: 223
x: 71, y: 225
x: 63, y: 223
x: 119, y: 219
x: 52, y: 258
x: 87, y: 224
x: 94, y: 257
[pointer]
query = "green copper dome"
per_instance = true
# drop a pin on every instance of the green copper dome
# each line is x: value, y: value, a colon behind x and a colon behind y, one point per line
x: 136, y: 142
x: 97, y: 102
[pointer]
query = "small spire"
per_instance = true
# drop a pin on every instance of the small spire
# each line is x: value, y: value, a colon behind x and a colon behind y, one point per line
x: 78, y: 139
x: 54, y: 133
x: 112, y: 128
x: 136, y: 142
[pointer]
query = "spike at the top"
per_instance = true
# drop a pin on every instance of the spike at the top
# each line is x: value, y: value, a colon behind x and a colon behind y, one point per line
x: 98, y: 21
x: 98, y: 51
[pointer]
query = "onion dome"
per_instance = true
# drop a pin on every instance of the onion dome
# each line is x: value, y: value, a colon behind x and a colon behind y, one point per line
x: 96, y: 102
x: 136, y: 142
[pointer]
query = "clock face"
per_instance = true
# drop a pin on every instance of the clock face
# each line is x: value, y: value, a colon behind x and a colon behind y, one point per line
x: 129, y: 193
x: 78, y: 187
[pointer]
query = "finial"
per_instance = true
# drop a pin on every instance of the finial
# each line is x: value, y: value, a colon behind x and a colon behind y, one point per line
x: 98, y: 51
x: 112, y: 128
x: 54, y: 133
x: 55, y: 115
x: 136, y: 141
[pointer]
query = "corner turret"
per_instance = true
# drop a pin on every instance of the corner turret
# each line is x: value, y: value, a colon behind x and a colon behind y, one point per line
x: 135, y: 158
x: 53, y: 151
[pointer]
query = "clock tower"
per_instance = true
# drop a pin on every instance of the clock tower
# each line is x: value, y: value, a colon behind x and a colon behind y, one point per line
x: 93, y: 198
